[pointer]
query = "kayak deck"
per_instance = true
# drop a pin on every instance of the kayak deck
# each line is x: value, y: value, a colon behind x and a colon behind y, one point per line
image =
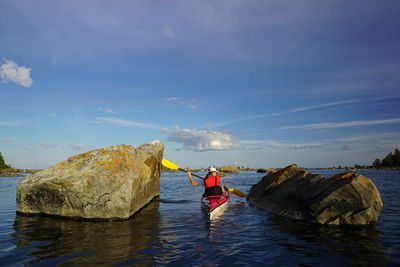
x: 214, y: 205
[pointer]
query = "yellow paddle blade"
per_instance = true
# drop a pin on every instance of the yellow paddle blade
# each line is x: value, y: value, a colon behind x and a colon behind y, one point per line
x: 237, y: 192
x: 170, y: 165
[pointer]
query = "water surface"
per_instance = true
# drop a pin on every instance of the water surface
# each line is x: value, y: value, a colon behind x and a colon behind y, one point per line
x: 174, y: 231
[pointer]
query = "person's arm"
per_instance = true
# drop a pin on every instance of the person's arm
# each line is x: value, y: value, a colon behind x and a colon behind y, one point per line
x: 189, y: 174
x: 223, y: 187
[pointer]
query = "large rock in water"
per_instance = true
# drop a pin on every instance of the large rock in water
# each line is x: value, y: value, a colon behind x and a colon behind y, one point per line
x: 106, y: 183
x: 346, y: 198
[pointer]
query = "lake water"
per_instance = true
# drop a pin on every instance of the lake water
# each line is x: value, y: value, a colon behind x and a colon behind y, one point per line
x: 174, y: 231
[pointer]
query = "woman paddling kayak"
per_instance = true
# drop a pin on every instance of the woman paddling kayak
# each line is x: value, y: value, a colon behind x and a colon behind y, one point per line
x: 212, y: 183
x: 215, y: 197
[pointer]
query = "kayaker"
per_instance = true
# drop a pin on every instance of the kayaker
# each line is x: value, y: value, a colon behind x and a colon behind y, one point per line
x: 212, y: 183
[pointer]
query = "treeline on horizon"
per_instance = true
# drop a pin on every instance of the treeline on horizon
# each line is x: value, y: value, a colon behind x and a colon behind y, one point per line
x: 392, y: 160
x: 3, y: 164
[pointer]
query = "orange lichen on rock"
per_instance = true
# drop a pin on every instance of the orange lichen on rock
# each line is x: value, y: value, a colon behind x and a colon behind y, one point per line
x: 106, y: 183
x: 363, y: 180
x: 111, y: 166
x: 348, y: 175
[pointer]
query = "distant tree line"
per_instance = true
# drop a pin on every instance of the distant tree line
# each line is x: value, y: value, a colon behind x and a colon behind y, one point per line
x: 392, y: 160
x: 3, y: 164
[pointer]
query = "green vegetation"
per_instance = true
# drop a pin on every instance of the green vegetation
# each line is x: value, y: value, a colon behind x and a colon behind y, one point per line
x: 392, y: 160
x: 7, y: 171
x: 3, y: 164
x: 228, y: 169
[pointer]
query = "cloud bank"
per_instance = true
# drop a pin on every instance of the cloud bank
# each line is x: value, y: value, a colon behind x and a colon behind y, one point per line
x: 78, y: 147
x: 49, y: 145
x: 12, y: 123
x: 198, y: 140
x: 11, y: 72
x: 108, y: 110
x: 302, y: 109
x: 189, y: 103
x: 260, y: 144
x: 326, y: 125
x: 125, y: 123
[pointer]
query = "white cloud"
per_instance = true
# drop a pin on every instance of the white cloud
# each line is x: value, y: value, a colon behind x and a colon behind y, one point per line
x: 8, y: 141
x: 78, y: 147
x: 280, y: 113
x: 10, y: 71
x: 108, y: 110
x: 125, y: 123
x: 392, y: 136
x: 239, y: 164
x: 49, y: 145
x: 168, y: 31
x: 302, y: 109
x: 52, y: 114
x: 346, y: 147
x: 189, y: 103
x: 198, y: 140
x: 12, y: 123
x: 326, y: 125
x: 259, y: 144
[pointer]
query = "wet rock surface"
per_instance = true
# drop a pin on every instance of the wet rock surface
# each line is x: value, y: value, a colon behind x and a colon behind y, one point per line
x: 346, y: 198
x: 106, y: 183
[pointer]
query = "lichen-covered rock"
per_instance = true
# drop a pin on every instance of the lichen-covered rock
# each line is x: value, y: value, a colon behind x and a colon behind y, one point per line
x: 346, y: 198
x: 107, y: 183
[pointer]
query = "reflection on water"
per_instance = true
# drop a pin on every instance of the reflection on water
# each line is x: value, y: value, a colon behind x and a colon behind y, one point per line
x: 216, y: 228
x: 171, y: 201
x: 174, y: 231
x: 353, y: 245
x: 82, y: 242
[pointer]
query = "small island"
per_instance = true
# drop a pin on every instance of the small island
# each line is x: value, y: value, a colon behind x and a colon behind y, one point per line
x: 7, y: 171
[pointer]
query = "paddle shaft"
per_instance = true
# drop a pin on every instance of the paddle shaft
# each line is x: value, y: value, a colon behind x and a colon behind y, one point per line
x: 170, y: 165
x: 193, y: 174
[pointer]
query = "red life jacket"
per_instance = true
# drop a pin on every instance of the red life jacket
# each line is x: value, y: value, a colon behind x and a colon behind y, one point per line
x: 211, y: 181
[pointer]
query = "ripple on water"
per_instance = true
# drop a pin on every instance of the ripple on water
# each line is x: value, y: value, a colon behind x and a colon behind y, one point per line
x: 174, y: 231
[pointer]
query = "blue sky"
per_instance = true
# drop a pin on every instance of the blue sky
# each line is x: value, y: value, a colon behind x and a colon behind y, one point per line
x: 251, y: 83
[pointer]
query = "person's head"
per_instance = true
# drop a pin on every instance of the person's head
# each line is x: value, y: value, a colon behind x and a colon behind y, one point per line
x: 213, y: 171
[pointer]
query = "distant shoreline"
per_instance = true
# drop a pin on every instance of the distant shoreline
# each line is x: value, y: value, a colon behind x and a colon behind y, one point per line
x: 261, y: 170
x: 14, y: 172
x: 350, y: 168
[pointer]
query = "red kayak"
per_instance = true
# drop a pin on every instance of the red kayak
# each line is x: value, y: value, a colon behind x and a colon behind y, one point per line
x: 215, y: 205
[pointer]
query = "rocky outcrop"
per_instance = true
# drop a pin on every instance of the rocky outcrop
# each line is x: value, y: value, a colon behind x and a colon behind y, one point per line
x: 107, y: 183
x: 266, y: 170
x: 346, y: 198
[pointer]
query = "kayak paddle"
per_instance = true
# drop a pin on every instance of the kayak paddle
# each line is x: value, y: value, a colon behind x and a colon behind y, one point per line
x: 237, y: 192
x: 170, y: 165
